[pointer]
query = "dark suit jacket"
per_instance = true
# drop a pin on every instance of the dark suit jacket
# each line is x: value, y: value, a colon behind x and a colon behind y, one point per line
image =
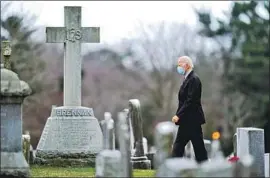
x: 189, y: 108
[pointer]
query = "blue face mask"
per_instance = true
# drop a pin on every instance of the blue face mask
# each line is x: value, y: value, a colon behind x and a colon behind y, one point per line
x: 181, y: 70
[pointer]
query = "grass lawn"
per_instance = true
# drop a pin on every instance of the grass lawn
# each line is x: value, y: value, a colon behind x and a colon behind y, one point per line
x: 45, y: 171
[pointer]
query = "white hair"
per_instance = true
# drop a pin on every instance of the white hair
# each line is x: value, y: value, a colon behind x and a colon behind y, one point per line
x: 187, y: 60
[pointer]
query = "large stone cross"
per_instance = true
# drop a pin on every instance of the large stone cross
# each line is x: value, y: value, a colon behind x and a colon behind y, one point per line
x: 72, y: 35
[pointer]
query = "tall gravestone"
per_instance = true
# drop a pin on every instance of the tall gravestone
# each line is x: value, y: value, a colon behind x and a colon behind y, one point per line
x: 123, y: 137
x: 267, y: 164
x: 130, y: 128
x: 109, y: 160
x: 103, y: 129
x: 145, y: 145
x: 218, y: 166
x: 72, y: 134
x: 132, y: 141
x: 108, y: 164
x: 235, y: 144
x: 108, y: 134
x: 139, y: 159
x: 244, y: 167
x: 165, y: 165
x: 13, y: 92
x: 250, y: 141
x: 164, y: 137
x: 26, y: 146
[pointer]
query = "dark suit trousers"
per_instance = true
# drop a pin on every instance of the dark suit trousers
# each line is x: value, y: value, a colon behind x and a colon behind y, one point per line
x: 191, y: 133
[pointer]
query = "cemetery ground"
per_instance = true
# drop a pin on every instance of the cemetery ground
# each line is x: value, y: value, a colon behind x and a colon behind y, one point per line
x: 47, y: 171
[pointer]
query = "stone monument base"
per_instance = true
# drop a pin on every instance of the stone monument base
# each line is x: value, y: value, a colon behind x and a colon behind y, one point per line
x: 140, y: 162
x: 71, y: 137
x: 61, y: 159
x: 14, y: 165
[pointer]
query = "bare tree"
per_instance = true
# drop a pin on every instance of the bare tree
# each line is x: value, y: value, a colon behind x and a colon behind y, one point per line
x: 154, y: 62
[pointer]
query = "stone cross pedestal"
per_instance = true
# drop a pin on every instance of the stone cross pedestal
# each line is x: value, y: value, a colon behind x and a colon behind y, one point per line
x: 13, y: 92
x: 250, y: 141
x: 72, y: 135
x: 139, y: 159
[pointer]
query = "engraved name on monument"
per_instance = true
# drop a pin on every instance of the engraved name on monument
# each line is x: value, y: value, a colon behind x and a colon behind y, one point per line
x: 73, y: 112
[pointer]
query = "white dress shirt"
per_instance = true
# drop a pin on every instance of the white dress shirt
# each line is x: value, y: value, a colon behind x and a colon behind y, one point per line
x: 188, y: 72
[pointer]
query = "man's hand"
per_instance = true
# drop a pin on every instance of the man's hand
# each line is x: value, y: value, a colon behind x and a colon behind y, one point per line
x: 175, y: 119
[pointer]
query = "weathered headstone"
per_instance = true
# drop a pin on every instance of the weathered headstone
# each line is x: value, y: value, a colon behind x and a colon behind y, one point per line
x: 207, y: 144
x: 108, y: 134
x: 6, y: 53
x: 13, y: 92
x: 235, y: 144
x: 139, y: 159
x: 108, y: 164
x: 124, y: 144
x: 145, y: 145
x: 32, y: 155
x: 244, y: 167
x: 151, y: 155
x: 177, y: 167
x: 217, y: 166
x: 72, y: 134
x: 189, y: 151
x: 251, y: 141
x: 152, y: 149
x: 267, y: 164
x: 132, y: 141
x: 164, y: 138
x: 103, y: 129
x: 108, y: 161
x: 26, y: 146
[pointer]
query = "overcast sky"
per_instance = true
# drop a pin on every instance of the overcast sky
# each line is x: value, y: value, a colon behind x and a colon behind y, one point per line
x: 117, y: 19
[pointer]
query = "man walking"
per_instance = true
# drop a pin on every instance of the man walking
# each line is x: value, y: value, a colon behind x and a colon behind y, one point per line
x: 189, y: 115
